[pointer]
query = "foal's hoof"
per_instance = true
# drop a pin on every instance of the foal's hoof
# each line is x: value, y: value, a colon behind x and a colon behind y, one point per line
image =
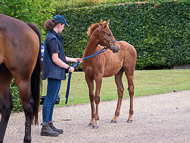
x: 113, y: 121
x: 91, y: 124
x: 129, y: 121
x: 95, y: 127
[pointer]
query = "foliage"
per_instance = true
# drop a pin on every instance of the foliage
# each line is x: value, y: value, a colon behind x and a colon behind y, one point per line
x: 65, y: 4
x: 15, y: 97
x: 159, y: 31
x: 31, y: 11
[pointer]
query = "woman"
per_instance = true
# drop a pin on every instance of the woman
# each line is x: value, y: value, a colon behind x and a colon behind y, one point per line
x: 54, y: 70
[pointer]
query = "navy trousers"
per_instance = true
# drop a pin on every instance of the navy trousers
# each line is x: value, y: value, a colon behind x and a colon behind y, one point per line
x: 53, y: 88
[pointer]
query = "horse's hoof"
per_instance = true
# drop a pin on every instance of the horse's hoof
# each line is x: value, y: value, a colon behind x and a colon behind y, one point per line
x: 95, y: 127
x: 91, y: 124
x: 27, y: 140
x: 113, y: 121
x: 129, y: 121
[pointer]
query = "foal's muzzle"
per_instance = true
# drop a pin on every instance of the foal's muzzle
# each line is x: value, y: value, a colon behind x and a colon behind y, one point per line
x: 115, y: 48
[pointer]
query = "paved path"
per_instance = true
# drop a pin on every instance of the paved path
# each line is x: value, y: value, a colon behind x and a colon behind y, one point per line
x: 163, y: 118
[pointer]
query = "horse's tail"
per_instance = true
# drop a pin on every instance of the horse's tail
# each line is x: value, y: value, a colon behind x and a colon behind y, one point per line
x: 36, y: 78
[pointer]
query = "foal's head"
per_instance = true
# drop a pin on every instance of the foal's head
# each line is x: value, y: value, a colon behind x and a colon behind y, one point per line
x: 104, y: 35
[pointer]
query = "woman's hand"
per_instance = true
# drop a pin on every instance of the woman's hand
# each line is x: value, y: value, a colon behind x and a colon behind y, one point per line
x: 71, y: 69
x: 79, y: 59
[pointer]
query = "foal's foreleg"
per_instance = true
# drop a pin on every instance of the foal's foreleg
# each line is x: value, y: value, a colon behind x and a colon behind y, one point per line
x: 97, y: 100
x: 90, y: 83
x: 120, y: 90
x: 130, y: 77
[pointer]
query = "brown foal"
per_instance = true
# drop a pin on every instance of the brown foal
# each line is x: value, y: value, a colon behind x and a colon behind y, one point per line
x: 120, y: 57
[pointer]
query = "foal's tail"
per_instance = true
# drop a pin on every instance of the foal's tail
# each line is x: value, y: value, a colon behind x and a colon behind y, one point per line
x: 35, y: 79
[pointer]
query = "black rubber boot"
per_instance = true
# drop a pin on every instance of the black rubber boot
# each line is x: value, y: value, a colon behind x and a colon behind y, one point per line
x: 60, y: 131
x: 47, y: 131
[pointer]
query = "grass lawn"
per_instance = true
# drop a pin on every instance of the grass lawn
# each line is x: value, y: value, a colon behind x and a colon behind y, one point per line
x: 147, y: 82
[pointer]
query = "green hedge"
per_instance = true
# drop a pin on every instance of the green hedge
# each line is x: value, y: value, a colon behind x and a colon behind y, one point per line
x: 160, y: 32
x: 82, y: 3
x: 17, y: 104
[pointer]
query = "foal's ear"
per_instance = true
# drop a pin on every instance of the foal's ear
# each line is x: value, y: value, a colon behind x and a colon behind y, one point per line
x: 108, y: 21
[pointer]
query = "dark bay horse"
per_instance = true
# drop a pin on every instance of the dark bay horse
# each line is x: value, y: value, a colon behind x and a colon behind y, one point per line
x: 19, y: 59
x: 111, y: 62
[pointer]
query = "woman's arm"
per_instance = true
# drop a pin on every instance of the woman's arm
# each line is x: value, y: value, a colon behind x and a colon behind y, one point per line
x: 68, y: 59
x: 60, y: 63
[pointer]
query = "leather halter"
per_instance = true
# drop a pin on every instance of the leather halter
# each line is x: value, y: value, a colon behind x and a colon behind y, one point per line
x: 104, y: 38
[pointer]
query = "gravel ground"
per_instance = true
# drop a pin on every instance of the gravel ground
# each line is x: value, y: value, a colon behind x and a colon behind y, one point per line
x: 163, y: 118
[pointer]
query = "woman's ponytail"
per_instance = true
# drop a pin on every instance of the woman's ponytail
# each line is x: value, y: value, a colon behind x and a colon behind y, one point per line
x: 50, y: 24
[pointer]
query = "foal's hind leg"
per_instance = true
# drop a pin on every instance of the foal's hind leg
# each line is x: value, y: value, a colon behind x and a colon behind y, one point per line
x: 5, y: 100
x: 90, y: 83
x: 130, y: 77
x: 120, y: 90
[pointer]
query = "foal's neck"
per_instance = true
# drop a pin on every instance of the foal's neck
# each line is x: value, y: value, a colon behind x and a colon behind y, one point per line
x: 91, y: 46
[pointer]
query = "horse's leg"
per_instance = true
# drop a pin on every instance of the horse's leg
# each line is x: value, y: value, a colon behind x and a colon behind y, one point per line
x: 130, y: 77
x: 24, y: 88
x: 6, y: 108
x: 98, y: 81
x: 90, y: 83
x: 5, y: 100
x: 120, y: 90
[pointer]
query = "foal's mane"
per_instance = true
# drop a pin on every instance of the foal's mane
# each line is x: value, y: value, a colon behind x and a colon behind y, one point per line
x: 94, y: 26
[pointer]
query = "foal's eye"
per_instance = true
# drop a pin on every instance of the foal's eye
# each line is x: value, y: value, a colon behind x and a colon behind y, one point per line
x: 109, y: 34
